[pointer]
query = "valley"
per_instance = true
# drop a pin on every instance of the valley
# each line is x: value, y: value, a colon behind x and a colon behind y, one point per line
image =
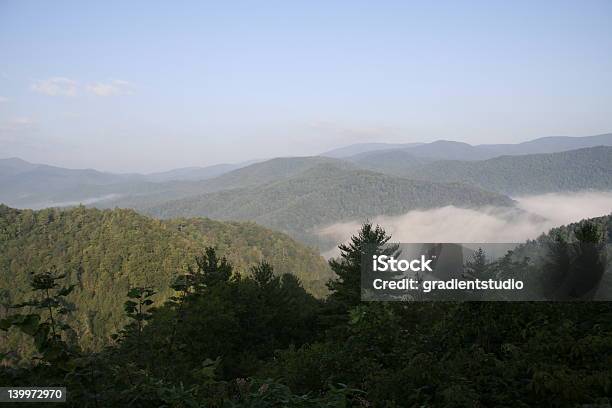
x: 302, y: 196
x: 306, y: 204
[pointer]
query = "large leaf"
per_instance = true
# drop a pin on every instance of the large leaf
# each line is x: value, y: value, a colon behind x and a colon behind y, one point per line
x: 30, y: 324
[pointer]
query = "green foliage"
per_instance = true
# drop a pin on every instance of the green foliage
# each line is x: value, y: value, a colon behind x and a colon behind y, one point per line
x: 573, y: 269
x: 574, y: 170
x: 464, y: 354
x: 212, y: 344
x: 476, y: 266
x: 346, y: 287
x: 138, y: 310
x: 320, y: 196
x: 269, y: 393
x: 263, y: 275
x: 50, y: 335
x: 104, y: 253
x: 242, y: 321
x: 211, y: 270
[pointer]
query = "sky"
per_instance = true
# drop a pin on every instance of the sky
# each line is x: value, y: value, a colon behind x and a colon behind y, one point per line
x: 146, y: 86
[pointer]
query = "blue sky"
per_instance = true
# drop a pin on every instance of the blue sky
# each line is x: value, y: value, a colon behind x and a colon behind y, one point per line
x: 144, y: 86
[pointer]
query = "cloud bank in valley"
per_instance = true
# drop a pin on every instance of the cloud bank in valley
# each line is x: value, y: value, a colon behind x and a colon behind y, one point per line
x: 533, y: 216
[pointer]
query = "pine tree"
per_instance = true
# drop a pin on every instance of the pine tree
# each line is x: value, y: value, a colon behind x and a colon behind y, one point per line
x: 346, y: 288
x: 590, y: 262
x: 263, y: 274
x: 211, y: 269
x: 573, y: 270
x: 476, y: 266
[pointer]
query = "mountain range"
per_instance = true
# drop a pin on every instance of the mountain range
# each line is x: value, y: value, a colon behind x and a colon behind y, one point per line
x: 355, y: 149
x: 324, y: 194
x: 299, y: 195
x: 451, y: 150
x: 574, y: 170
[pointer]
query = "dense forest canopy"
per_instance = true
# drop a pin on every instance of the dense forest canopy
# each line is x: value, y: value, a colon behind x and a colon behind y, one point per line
x: 127, y: 310
x: 104, y: 252
x: 574, y: 170
x: 325, y: 194
x: 260, y: 340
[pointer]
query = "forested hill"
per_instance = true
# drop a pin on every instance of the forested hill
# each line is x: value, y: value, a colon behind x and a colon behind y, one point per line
x: 604, y: 223
x: 257, y: 174
x: 29, y: 185
x: 105, y: 251
x: 589, y: 168
x: 326, y: 194
x: 568, y: 232
x: 539, y: 173
x: 272, y: 170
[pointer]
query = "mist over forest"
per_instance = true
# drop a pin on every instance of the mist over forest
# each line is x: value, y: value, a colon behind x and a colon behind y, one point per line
x: 533, y: 215
x: 211, y: 285
x: 389, y: 204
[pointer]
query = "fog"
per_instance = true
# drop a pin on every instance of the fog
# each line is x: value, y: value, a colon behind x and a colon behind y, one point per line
x: 87, y: 201
x: 532, y: 216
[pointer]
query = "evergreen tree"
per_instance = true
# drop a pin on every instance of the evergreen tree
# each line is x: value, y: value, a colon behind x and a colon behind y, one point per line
x: 573, y: 270
x: 346, y: 287
x: 263, y: 274
x: 476, y: 266
x: 211, y: 269
x: 590, y: 260
x: 556, y: 268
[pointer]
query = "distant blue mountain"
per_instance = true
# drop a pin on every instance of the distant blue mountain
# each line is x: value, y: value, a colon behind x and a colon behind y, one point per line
x: 451, y: 150
x: 358, y: 148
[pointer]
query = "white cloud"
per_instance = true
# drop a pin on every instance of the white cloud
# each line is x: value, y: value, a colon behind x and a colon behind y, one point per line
x: 111, y: 88
x: 60, y: 86
x: 537, y: 215
x: 57, y: 86
x: 3, y: 99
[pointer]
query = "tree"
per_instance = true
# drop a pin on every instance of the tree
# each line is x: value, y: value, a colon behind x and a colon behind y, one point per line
x: 590, y: 260
x: 138, y: 309
x: 263, y: 274
x: 210, y: 269
x: 556, y: 267
x: 51, y: 334
x: 370, y: 240
x: 476, y: 266
x: 573, y: 270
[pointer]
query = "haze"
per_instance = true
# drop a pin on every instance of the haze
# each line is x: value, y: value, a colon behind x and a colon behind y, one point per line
x: 539, y: 214
x: 144, y: 86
